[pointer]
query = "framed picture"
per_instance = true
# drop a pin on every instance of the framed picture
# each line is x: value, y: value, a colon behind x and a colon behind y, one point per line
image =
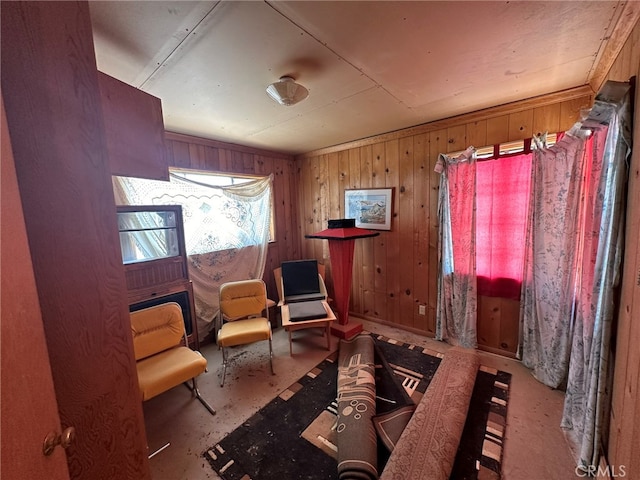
x: 371, y: 208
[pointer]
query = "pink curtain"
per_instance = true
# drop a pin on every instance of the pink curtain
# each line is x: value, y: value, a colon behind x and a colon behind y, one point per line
x: 502, y: 197
x: 457, y: 290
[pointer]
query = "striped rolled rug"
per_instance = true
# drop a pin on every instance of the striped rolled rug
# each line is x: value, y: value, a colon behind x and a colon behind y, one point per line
x: 356, y: 435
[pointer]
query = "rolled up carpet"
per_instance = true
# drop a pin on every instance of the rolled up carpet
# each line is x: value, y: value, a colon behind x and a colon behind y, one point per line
x: 356, y: 436
x: 428, y: 445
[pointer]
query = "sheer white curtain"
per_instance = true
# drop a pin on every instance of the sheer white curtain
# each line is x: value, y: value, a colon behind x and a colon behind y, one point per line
x: 457, y: 283
x: 226, y: 231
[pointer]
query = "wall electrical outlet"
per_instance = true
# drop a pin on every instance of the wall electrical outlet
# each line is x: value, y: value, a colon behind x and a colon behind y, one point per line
x: 422, y: 310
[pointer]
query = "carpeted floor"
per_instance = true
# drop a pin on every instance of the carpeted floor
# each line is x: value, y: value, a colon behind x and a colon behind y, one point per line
x: 292, y: 437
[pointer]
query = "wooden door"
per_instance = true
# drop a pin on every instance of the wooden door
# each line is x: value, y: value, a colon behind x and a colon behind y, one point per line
x: 54, y: 118
x: 26, y: 418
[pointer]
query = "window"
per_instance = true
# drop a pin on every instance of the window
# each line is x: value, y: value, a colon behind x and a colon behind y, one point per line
x: 224, y: 180
x: 503, y: 178
x: 210, y: 178
x: 149, y: 234
x: 215, y: 218
x: 502, y: 199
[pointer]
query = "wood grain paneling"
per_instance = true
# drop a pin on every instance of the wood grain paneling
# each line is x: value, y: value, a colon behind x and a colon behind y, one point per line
x: 405, y: 194
x: 498, y: 130
x: 324, y: 188
x: 47, y: 49
x: 355, y: 176
x: 621, y: 47
x: 26, y: 418
x: 476, y: 134
x: 498, y: 320
x: 52, y: 100
x: 170, y: 270
x: 521, y: 124
x: 392, y: 280
x: 419, y: 287
x: 134, y: 130
x: 456, y: 138
x: 480, y: 115
x: 379, y: 243
x: 396, y: 272
x: 546, y: 119
x: 624, y: 438
x: 366, y: 245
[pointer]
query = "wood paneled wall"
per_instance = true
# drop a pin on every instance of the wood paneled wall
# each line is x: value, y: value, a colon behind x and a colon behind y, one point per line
x: 396, y: 272
x: 200, y: 154
x: 624, y: 441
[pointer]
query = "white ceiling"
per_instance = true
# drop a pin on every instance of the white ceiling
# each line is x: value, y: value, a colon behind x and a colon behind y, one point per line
x: 370, y: 67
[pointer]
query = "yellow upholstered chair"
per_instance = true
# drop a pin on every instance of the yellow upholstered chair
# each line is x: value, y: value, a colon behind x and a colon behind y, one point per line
x: 240, y: 320
x: 163, y: 359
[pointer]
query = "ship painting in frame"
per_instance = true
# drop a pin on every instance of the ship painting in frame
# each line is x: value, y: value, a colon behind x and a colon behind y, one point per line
x: 371, y: 208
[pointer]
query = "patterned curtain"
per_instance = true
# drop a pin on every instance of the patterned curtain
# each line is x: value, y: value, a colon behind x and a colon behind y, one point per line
x: 587, y: 401
x: 574, y: 251
x: 457, y: 284
x: 226, y: 231
x: 550, y: 258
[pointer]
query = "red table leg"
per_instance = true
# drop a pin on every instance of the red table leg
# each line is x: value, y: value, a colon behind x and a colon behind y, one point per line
x: 341, y: 245
x: 341, y: 253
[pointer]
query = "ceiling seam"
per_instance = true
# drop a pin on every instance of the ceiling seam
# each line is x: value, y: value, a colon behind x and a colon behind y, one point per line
x: 325, y: 45
x: 615, y: 17
x: 316, y: 109
x: 170, y: 54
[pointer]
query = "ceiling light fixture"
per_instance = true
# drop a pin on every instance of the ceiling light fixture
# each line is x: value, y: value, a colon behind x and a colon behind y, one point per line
x: 287, y: 92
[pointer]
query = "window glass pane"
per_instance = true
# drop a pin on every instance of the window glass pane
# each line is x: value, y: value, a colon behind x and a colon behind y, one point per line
x: 147, y: 235
x: 215, y: 179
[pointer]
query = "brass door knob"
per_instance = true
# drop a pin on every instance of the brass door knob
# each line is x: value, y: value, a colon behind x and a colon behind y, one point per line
x: 53, y: 439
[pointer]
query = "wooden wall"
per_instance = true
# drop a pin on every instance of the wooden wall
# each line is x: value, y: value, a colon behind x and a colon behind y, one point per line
x: 200, y: 154
x: 396, y: 272
x: 624, y: 441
